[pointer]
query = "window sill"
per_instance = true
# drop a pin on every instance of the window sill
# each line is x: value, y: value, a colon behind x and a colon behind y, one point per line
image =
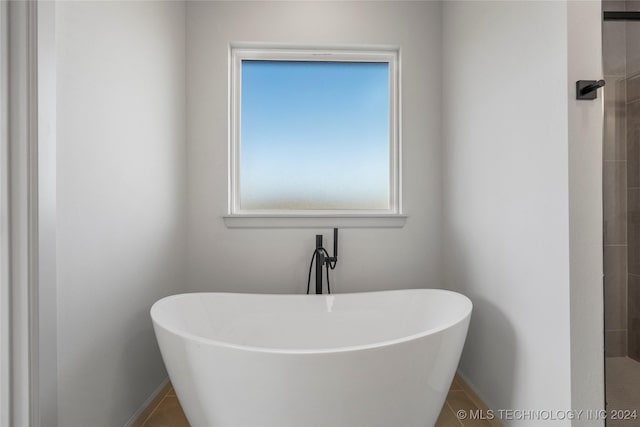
x: 315, y: 221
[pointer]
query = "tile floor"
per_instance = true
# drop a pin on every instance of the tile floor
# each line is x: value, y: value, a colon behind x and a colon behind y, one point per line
x: 461, y: 398
x: 623, y: 388
x: 623, y: 392
x: 168, y: 413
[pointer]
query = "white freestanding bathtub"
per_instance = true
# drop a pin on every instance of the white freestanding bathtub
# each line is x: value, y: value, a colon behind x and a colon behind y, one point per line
x: 361, y: 359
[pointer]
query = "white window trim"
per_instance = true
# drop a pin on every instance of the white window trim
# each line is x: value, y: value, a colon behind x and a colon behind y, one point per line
x: 392, y: 217
x: 28, y: 394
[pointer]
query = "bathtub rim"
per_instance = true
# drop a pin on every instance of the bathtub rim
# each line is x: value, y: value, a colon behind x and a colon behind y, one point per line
x: 209, y: 341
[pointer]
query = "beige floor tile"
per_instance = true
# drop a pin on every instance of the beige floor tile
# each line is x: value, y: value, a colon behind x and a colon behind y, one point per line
x: 459, y: 401
x: 168, y: 414
x: 455, y: 384
x: 473, y: 416
x: 476, y: 423
x: 447, y: 418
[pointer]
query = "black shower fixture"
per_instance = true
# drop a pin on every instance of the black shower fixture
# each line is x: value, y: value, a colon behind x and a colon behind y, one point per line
x: 622, y: 15
x: 588, y: 89
x: 322, y: 259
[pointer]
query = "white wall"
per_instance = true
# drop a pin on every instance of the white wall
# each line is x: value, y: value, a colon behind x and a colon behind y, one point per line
x: 121, y: 181
x: 277, y: 260
x: 5, y: 254
x: 492, y: 173
x: 585, y: 125
x: 508, y: 200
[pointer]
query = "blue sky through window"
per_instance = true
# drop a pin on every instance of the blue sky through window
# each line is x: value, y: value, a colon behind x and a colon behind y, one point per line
x: 314, y: 135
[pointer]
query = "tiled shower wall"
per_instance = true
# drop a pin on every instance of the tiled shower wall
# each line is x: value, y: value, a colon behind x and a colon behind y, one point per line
x: 615, y: 185
x: 621, y: 183
x: 633, y: 187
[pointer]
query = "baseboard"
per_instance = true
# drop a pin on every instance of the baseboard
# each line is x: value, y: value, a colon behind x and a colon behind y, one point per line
x: 475, y: 398
x: 143, y: 412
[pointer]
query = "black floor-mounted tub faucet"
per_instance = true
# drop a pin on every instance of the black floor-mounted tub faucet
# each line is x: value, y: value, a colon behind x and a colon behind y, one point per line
x: 322, y: 259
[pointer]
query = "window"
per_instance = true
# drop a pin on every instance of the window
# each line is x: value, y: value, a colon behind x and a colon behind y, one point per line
x: 314, y: 132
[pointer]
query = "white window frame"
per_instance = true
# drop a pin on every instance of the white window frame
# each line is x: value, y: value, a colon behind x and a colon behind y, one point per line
x: 238, y: 217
